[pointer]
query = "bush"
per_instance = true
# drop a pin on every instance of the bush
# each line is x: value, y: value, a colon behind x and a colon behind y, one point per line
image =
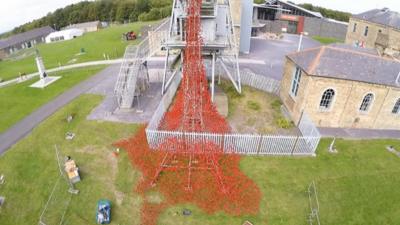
x: 253, y: 105
x: 284, y: 123
x: 276, y: 105
x: 155, y: 14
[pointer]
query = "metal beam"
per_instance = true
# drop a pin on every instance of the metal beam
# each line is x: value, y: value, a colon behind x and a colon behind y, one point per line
x: 165, y: 72
x: 212, y: 76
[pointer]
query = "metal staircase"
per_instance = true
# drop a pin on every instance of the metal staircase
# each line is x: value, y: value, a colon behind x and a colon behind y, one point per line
x: 133, y: 77
x: 229, y: 58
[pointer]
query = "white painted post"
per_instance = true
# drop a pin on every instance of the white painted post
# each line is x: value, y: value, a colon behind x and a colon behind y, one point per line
x: 165, y: 72
x: 300, y: 41
x: 212, y: 76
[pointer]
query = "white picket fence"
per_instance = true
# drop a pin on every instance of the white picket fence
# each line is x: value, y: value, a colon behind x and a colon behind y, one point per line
x: 260, y: 82
x: 251, y: 79
x: 247, y: 144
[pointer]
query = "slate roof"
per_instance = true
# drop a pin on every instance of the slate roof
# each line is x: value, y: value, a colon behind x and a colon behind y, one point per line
x: 26, y: 36
x: 381, y: 16
x: 348, y: 64
x: 371, y: 51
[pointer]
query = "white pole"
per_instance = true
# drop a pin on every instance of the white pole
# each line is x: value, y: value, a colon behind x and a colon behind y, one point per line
x: 300, y: 41
x: 212, y: 77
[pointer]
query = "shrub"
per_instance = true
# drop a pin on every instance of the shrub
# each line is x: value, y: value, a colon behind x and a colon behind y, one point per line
x: 276, y: 105
x: 284, y: 123
x: 253, y: 105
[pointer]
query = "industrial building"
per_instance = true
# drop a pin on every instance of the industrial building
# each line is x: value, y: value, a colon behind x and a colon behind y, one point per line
x: 277, y: 16
x: 64, y: 35
x: 342, y: 86
x: 86, y: 27
x: 377, y: 28
x: 23, y: 40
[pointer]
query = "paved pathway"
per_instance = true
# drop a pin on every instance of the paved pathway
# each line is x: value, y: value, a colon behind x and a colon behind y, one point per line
x: 153, y: 60
x: 273, y: 53
x: 352, y: 133
x: 25, y: 126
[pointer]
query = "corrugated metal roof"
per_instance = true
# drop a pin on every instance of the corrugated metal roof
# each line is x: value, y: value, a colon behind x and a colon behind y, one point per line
x: 83, y: 25
x: 275, y: 2
x: 26, y: 36
x: 348, y: 64
x: 381, y: 16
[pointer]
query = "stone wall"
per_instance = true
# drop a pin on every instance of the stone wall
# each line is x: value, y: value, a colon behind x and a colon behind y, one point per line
x: 325, y: 28
x: 273, y: 26
x: 313, y: 26
x: 344, y: 111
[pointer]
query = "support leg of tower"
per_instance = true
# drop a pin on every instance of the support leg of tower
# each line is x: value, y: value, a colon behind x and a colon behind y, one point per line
x: 212, y: 76
x: 238, y: 74
x: 165, y: 72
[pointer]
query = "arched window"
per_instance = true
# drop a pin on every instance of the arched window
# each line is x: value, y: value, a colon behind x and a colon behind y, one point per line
x: 366, y: 103
x: 326, y: 99
x: 396, y: 108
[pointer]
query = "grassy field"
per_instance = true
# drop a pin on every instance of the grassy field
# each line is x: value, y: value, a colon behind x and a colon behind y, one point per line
x: 31, y: 169
x: 18, y: 101
x: 326, y: 40
x: 358, y: 185
x: 106, y: 41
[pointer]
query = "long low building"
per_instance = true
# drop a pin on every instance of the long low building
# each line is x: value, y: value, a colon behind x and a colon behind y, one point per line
x: 23, y: 40
x: 86, y: 27
x: 342, y: 86
x: 64, y: 35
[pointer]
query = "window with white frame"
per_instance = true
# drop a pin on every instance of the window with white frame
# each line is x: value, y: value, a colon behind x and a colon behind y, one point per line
x: 396, y: 108
x: 366, y: 102
x: 327, y: 99
x: 296, y: 81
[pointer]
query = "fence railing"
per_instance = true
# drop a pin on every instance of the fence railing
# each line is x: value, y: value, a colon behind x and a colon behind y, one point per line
x: 262, y: 83
x: 259, y: 82
x: 304, y: 144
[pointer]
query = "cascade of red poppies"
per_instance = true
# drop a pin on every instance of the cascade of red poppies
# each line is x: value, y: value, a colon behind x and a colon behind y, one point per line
x: 188, y: 168
x: 193, y: 111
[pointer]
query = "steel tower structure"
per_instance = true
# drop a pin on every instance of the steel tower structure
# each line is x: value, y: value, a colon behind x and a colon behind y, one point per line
x: 218, y: 40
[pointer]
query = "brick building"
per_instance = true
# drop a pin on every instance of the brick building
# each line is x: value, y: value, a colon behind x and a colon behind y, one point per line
x: 377, y: 28
x: 342, y: 86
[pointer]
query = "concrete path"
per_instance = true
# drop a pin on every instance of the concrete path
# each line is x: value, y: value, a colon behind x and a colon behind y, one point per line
x: 352, y: 133
x: 273, y: 53
x: 73, y: 66
x: 25, y: 126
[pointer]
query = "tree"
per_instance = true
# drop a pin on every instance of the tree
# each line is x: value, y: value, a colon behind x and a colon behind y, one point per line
x: 104, y: 10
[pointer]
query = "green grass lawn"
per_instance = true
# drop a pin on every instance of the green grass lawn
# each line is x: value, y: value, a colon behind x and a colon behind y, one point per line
x: 106, y: 41
x: 326, y: 40
x: 18, y: 101
x: 31, y: 170
x: 359, y: 185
